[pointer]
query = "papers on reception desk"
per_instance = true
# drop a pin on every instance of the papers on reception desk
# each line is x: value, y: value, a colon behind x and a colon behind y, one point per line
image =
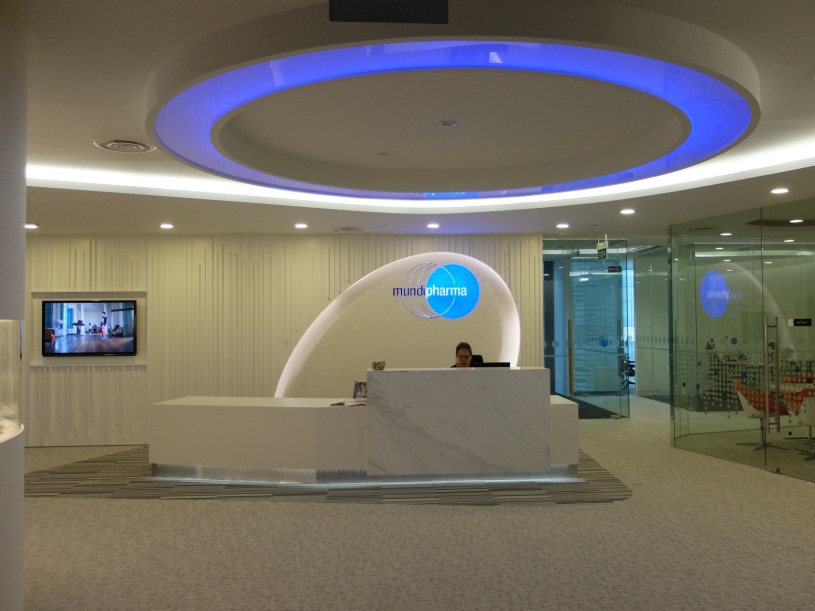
x: 458, y: 422
x: 350, y: 402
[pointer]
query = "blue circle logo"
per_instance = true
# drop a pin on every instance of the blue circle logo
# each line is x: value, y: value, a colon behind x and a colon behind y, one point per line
x: 449, y: 291
x: 452, y: 291
x: 714, y: 294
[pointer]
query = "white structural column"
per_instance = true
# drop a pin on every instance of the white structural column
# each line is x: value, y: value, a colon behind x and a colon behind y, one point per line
x: 12, y: 295
x: 12, y: 167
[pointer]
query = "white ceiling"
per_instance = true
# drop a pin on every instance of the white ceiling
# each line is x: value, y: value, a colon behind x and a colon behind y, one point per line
x: 90, y: 63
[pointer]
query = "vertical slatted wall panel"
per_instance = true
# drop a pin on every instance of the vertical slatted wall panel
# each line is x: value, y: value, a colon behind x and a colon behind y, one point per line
x: 80, y: 404
x: 222, y: 315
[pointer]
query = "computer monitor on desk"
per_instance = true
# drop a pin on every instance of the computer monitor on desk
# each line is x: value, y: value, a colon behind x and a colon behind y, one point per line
x: 492, y: 364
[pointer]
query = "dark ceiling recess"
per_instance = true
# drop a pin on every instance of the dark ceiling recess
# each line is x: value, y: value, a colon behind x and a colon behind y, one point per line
x: 388, y: 11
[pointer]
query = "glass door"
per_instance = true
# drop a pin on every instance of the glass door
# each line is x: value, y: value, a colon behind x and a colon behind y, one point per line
x: 586, y: 324
x: 788, y: 264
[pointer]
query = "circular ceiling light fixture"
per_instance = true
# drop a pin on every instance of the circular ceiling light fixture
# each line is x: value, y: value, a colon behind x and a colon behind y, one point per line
x: 123, y: 146
x: 194, y: 124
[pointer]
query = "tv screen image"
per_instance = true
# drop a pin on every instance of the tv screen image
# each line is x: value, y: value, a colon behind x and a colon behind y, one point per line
x: 89, y: 328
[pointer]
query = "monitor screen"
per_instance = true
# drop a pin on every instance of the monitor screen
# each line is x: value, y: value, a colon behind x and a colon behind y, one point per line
x: 89, y: 328
x: 492, y: 364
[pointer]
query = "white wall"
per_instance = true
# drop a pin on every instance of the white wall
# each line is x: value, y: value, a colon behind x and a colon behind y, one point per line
x: 221, y: 315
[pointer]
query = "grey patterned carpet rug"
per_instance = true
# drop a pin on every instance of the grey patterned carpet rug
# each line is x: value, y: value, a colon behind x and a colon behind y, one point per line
x: 127, y: 475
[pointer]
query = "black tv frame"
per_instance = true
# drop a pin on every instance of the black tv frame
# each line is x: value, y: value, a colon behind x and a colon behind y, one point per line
x: 113, y: 306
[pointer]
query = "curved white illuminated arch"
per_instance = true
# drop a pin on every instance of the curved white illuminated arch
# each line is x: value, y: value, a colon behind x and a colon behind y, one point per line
x: 366, y: 322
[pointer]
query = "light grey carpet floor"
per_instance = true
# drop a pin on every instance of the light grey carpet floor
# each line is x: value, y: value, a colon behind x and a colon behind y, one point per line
x: 697, y: 533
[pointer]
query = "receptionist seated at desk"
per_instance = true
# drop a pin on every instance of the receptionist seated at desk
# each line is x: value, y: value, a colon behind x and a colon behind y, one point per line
x: 464, y: 355
x: 465, y: 358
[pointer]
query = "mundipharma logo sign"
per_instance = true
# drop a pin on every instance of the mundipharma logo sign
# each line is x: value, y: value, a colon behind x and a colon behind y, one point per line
x: 430, y: 290
x: 716, y: 297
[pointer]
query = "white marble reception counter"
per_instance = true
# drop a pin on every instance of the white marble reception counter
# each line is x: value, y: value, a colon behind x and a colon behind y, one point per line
x: 256, y: 438
x: 460, y: 421
x: 419, y: 422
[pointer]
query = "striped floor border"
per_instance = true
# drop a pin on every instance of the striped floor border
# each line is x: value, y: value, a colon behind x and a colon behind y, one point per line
x: 127, y: 475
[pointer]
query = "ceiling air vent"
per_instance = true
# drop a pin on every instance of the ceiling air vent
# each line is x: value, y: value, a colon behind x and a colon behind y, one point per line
x: 123, y: 146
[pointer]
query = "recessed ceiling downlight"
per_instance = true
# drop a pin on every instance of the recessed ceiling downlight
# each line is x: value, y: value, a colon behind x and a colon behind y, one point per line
x: 166, y: 225
x: 32, y: 226
x: 123, y: 146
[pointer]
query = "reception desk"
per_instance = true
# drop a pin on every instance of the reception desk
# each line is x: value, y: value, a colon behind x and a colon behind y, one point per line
x: 477, y: 422
x: 418, y: 422
x: 256, y: 438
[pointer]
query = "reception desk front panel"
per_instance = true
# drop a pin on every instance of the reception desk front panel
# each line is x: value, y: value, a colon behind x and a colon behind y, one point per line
x: 230, y: 437
x: 458, y: 421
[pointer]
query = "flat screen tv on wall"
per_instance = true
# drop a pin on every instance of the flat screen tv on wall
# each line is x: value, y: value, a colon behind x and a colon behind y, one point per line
x: 89, y: 328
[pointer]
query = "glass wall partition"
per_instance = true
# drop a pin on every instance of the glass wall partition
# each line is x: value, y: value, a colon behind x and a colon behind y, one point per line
x: 651, y: 299
x: 742, y: 344
x: 588, y: 345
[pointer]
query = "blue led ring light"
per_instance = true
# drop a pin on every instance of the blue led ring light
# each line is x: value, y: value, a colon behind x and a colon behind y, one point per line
x: 719, y: 115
